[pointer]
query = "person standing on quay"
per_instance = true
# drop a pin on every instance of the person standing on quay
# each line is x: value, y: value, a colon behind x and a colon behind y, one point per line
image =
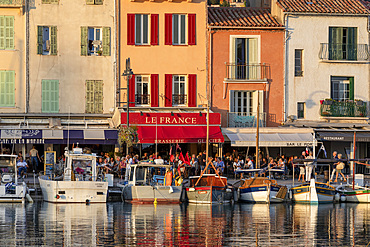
x: 34, y: 154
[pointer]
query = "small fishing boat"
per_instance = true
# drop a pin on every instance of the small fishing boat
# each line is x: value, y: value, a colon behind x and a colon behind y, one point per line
x: 313, y: 192
x: 79, y: 182
x: 11, y: 190
x: 261, y: 190
x: 150, y: 182
x: 209, y: 189
x: 357, y: 194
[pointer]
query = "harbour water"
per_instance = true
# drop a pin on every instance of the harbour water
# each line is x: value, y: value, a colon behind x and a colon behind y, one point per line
x: 119, y: 224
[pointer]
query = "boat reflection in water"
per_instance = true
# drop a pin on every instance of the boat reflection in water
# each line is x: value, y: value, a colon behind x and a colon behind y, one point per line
x: 13, y: 223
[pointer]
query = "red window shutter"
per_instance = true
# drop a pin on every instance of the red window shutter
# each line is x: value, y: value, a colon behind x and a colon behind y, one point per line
x: 132, y: 91
x: 130, y: 29
x: 192, y: 90
x: 168, y: 90
x: 154, y: 29
x: 154, y: 94
x: 191, y: 29
x: 168, y: 29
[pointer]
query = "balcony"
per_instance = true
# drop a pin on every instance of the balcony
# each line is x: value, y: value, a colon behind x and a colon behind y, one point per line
x: 179, y: 99
x: 245, y: 120
x: 11, y: 3
x: 331, y: 108
x: 142, y: 99
x: 247, y: 72
x: 344, y: 52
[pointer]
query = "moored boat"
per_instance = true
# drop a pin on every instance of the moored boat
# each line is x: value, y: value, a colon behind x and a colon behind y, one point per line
x: 313, y: 192
x: 79, y: 182
x: 356, y: 194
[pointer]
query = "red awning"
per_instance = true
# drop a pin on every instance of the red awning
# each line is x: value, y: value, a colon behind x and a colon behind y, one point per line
x: 179, y: 134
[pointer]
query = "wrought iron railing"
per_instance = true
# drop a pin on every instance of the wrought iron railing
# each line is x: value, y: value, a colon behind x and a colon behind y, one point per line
x: 179, y: 99
x: 12, y: 3
x: 142, y: 99
x: 242, y: 71
x: 238, y: 119
x: 344, y: 52
x: 331, y: 108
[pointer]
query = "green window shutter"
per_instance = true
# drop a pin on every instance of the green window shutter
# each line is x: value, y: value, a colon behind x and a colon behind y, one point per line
x: 106, y: 41
x: 53, y: 41
x: 7, y: 88
x: 46, y: 1
x: 352, y: 88
x: 98, y: 2
x: 9, y: 32
x: 89, y: 96
x: 352, y: 43
x: 2, y: 32
x: 84, y: 41
x: 89, y: 1
x: 55, y: 1
x: 39, y: 40
x: 45, y: 96
x: 50, y: 96
x: 98, y: 97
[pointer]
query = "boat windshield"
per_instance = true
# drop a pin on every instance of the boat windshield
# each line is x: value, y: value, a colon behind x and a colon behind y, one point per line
x: 7, y: 164
x: 81, y: 166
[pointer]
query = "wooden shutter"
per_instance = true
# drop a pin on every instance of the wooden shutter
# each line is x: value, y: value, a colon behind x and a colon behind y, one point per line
x: 50, y: 96
x: 9, y: 32
x: 7, y: 88
x: 89, y: 106
x: 106, y: 41
x: 45, y: 96
x: 168, y: 90
x: 191, y: 29
x: 89, y: 1
x: 253, y: 70
x: 154, y: 93
x: 352, y: 43
x: 46, y: 1
x: 154, y: 29
x: 54, y: 1
x: 53, y: 41
x: 168, y: 29
x: 131, y: 94
x: 99, y: 2
x: 130, y: 29
x: 98, y: 96
x: 352, y: 88
x: 192, y: 90
x: 39, y: 40
x: 2, y: 32
x: 84, y: 41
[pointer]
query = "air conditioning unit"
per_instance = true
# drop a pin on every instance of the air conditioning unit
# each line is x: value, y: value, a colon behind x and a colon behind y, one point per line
x: 47, y: 44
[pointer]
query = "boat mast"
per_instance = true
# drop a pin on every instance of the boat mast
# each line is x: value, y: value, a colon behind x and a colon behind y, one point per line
x: 258, y: 131
x: 353, y: 163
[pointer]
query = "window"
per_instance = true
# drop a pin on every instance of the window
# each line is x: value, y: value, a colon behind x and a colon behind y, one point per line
x: 245, y: 63
x: 50, y: 1
x: 179, y: 90
x: 7, y: 88
x: 343, y: 43
x: 47, y: 40
x: 94, y: 96
x: 242, y: 102
x: 94, y: 2
x: 342, y: 88
x: 179, y: 29
x: 50, y: 96
x: 141, y: 29
x: 142, y: 95
x: 298, y: 59
x: 6, y: 32
x: 95, y: 41
x: 300, y: 109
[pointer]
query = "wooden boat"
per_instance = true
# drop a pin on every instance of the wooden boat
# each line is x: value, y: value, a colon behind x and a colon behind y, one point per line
x: 147, y: 185
x: 11, y: 190
x: 358, y: 194
x: 79, y: 182
x: 209, y: 189
x: 262, y: 190
x: 313, y: 192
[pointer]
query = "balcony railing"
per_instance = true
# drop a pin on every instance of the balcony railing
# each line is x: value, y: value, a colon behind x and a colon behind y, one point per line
x: 247, y: 71
x: 179, y: 99
x: 142, y: 99
x: 244, y: 120
x: 11, y: 3
x: 344, y: 52
x: 333, y: 108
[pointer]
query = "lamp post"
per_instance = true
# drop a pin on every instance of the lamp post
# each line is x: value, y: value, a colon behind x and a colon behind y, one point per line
x: 128, y: 74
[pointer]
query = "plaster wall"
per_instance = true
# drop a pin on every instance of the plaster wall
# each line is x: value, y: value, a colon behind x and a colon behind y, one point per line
x: 68, y: 66
x: 15, y: 59
x: 307, y: 32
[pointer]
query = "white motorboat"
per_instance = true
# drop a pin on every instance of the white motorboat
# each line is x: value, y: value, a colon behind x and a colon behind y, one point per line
x: 147, y: 184
x: 11, y: 190
x: 79, y: 182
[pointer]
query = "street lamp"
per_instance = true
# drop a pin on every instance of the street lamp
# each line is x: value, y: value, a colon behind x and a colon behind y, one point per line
x: 128, y: 74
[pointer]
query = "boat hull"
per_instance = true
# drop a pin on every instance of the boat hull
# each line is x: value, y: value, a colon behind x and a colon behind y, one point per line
x: 304, y: 195
x: 260, y: 194
x: 73, y: 191
x: 18, y: 193
x: 357, y: 195
x: 149, y: 194
x: 209, y: 195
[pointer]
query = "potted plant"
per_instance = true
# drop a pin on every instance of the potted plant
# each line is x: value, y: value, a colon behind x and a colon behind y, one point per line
x: 328, y: 101
x: 100, y: 52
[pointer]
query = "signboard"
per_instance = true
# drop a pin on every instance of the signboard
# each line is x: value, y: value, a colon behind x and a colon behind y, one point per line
x: 49, y: 161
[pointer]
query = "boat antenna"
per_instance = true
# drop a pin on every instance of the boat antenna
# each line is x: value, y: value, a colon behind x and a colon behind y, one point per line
x: 69, y: 119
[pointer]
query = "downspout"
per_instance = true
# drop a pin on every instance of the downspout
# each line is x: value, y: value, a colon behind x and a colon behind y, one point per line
x: 118, y: 53
x: 285, y: 66
x: 26, y: 108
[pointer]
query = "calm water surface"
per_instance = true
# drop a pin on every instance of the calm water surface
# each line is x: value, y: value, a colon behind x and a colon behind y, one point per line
x: 183, y: 225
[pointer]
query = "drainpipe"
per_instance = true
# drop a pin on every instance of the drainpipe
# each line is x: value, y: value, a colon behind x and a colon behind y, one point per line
x: 27, y: 9
x: 286, y: 75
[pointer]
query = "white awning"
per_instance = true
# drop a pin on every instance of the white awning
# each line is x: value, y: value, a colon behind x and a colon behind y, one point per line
x: 95, y: 134
x: 52, y: 134
x: 271, y: 139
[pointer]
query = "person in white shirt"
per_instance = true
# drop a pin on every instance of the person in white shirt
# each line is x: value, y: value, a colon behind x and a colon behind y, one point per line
x: 22, y: 167
x: 250, y: 164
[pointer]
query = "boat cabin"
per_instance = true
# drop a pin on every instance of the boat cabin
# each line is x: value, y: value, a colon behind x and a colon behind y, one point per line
x: 147, y: 173
x: 208, y: 180
x: 80, y: 167
x: 8, y: 168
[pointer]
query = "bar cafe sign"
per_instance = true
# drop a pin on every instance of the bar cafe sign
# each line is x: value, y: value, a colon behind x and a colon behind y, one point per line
x: 21, y: 136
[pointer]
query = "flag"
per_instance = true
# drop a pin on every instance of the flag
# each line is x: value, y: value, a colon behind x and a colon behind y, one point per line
x: 181, y: 157
x: 323, y: 149
x: 187, y: 158
x: 178, y: 147
x: 307, y: 150
x: 171, y: 150
x: 172, y: 158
